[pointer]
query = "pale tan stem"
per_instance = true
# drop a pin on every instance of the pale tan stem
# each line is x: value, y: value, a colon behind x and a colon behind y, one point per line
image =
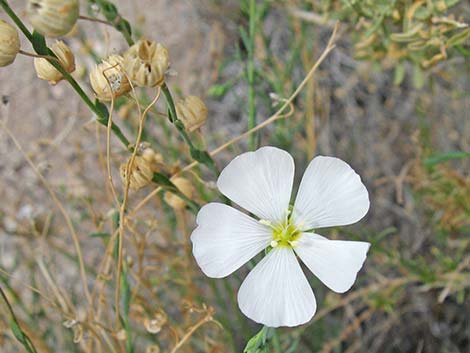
x: 124, y: 202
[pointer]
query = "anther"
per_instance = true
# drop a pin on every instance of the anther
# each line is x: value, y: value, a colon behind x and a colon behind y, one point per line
x: 273, y: 243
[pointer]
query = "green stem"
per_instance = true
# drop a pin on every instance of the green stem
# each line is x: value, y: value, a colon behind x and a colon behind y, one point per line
x: 166, y: 184
x: 251, y: 74
x: 17, y: 300
x: 170, y: 102
x: 199, y: 155
x: 100, y: 113
x: 111, y: 14
x: 277, y: 342
x: 16, y: 328
x: 261, y: 341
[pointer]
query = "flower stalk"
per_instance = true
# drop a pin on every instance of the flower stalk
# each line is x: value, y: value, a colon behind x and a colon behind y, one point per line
x: 20, y: 335
x: 200, y: 156
x: 250, y: 72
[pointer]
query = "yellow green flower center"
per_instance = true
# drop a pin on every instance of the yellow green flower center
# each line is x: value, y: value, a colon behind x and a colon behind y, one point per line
x: 284, y: 234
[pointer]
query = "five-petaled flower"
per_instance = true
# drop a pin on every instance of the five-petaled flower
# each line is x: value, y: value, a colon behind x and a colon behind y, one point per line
x: 276, y: 292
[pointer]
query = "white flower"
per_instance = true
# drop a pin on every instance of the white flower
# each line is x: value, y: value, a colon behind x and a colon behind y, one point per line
x: 276, y: 292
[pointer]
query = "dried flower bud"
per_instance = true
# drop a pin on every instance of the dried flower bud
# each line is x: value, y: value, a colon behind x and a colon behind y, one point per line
x: 154, y: 325
x: 152, y: 349
x: 153, y: 158
x: 192, y: 112
x: 441, y: 6
x: 146, y: 63
x: 140, y: 174
x: 108, y: 79
x: 185, y: 187
x: 396, y: 15
x: 53, y: 18
x: 9, y: 43
x: 46, y: 71
x: 77, y: 333
x: 121, y: 335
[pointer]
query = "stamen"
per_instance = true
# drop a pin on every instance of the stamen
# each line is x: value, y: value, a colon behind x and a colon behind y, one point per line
x: 274, y: 243
x: 294, y: 243
x: 265, y: 222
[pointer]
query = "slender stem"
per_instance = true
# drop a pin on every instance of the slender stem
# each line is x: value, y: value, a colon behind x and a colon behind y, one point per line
x: 198, y: 155
x: 92, y: 19
x: 109, y: 11
x: 16, y: 328
x: 124, y: 204
x: 170, y: 187
x: 251, y: 74
x: 204, y: 320
x: 276, y: 342
x: 32, y: 55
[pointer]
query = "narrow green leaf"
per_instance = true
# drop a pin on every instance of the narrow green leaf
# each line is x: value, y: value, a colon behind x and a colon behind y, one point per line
x: 458, y: 38
x: 17, y: 331
x: 245, y: 38
x: 399, y: 74
x: 418, y: 77
x: 39, y: 44
x: 102, y: 110
x: 100, y: 235
x: 163, y: 180
x: 202, y: 156
x: 444, y: 157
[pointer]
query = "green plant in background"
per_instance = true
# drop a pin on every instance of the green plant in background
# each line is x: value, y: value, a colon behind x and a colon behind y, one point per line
x: 393, y: 33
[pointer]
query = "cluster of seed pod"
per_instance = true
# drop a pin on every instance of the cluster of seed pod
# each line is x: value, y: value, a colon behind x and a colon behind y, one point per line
x: 144, y: 64
x: 51, y: 18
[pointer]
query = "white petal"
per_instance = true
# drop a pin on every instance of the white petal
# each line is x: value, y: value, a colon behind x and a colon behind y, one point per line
x: 276, y: 293
x: 225, y: 239
x: 335, y: 262
x: 260, y: 182
x: 330, y: 194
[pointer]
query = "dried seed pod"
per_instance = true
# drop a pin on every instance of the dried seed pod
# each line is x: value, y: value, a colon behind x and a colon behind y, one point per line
x: 46, y: 71
x: 140, y: 175
x: 155, y: 324
x: 152, y: 349
x: 108, y: 79
x: 146, y: 63
x: 53, y: 18
x: 192, y: 112
x: 121, y: 335
x: 9, y: 43
x: 153, y: 158
x: 185, y: 187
